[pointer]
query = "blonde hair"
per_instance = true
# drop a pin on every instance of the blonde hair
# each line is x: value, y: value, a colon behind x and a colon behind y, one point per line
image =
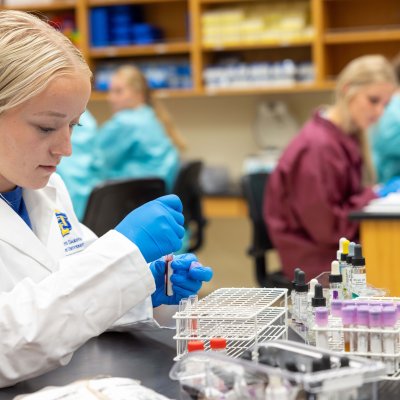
x: 137, y: 81
x: 32, y: 53
x: 361, y: 72
x: 396, y: 65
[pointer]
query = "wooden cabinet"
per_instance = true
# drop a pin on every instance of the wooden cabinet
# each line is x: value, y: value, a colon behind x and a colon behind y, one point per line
x: 351, y: 28
x: 338, y: 31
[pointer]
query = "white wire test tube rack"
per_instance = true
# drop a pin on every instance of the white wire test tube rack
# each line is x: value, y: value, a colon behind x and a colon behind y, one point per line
x: 244, y: 317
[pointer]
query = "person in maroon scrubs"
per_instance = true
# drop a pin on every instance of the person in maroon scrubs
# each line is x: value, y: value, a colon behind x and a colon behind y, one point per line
x: 319, y: 177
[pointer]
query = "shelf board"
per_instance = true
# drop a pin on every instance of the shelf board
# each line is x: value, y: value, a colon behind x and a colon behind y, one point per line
x: 143, y: 50
x: 225, y: 1
x: 295, y: 88
x: 177, y: 93
x: 51, y: 6
x: 259, y: 45
x: 362, y: 36
x: 160, y: 93
x: 95, y: 3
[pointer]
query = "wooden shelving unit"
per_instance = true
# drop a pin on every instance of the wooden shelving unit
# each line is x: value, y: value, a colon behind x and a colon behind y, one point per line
x: 132, y: 51
x: 343, y: 29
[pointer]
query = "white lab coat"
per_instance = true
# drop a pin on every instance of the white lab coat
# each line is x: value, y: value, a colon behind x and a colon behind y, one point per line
x: 58, y: 291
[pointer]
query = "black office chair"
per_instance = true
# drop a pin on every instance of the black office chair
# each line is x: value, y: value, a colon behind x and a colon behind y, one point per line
x: 187, y: 187
x: 253, y: 188
x: 111, y: 201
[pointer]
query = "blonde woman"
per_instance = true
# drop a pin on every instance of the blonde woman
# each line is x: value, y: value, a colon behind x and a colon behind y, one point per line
x: 139, y: 140
x: 319, y: 178
x: 59, y: 284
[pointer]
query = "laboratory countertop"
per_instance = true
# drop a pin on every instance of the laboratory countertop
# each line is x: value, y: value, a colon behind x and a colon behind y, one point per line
x: 361, y: 215
x: 145, y: 355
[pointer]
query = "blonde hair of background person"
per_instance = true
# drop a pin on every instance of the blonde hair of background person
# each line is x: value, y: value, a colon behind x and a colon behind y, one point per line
x: 137, y: 81
x: 357, y: 74
x: 55, y: 274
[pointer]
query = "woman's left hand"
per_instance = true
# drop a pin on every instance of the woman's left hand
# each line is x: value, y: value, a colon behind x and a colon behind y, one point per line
x: 187, y: 278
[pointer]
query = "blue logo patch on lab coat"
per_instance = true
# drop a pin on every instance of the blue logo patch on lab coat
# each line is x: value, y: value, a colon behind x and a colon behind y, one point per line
x: 63, y: 223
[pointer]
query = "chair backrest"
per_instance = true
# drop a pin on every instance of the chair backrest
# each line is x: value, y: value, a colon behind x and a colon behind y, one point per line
x: 253, y: 189
x: 187, y: 187
x: 111, y: 201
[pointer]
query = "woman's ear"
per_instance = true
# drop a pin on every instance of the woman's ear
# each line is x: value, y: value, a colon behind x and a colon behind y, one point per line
x: 345, y: 89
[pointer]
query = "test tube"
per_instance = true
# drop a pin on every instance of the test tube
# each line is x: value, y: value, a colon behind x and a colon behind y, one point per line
x: 398, y: 310
x: 218, y: 344
x: 168, y: 274
x: 336, y: 308
x: 389, y: 318
x: 362, y: 323
x: 182, y: 328
x: 195, y: 345
x: 375, y: 342
x: 193, y: 317
x: 321, y: 321
x: 336, y: 313
x: 348, y: 314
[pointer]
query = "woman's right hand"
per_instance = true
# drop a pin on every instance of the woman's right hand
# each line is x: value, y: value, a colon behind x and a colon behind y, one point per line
x: 156, y: 227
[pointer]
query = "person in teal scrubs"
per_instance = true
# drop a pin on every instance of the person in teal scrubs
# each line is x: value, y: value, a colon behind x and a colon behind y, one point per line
x: 385, y: 137
x: 79, y: 171
x: 135, y: 142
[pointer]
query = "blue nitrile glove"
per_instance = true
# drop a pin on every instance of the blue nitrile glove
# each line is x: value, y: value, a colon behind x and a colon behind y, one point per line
x: 155, y: 227
x: 186, y: 279
x: 391, y: 186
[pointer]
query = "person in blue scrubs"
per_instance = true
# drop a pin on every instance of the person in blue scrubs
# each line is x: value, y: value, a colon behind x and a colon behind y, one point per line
x: 135, y: 143
x: 385, y: 137
x: 79, y: 171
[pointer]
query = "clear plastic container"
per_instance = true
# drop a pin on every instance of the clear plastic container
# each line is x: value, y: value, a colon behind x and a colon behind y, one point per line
x: 218, y: 376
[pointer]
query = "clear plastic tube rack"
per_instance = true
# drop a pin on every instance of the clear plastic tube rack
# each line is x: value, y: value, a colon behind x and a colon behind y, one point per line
x: 242, y: 316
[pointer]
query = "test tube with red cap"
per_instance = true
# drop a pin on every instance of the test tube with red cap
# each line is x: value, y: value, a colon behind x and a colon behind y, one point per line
x: 218, y: 344
x: 195, y: 345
